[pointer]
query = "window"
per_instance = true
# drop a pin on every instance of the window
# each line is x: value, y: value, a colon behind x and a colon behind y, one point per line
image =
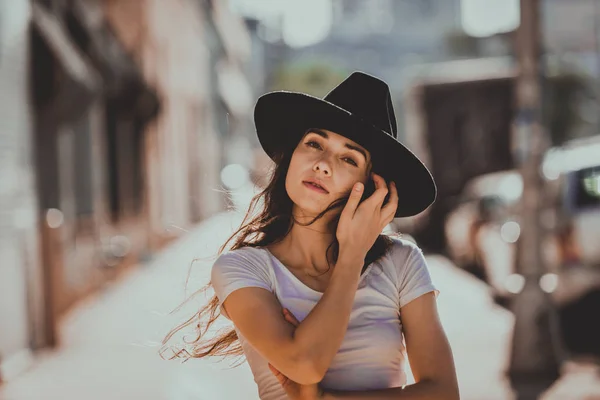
x: 587, y: 189
x: 84, y: 199
x: 124, y: 147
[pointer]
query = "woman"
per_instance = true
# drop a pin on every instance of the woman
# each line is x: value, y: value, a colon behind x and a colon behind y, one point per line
x: 320, y: 300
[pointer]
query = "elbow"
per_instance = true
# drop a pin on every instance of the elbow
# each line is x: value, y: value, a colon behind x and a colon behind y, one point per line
x: 456, y: 395
x: 449, y: 392
x: 300, y: 368
x: 443, y: 390
x: 453, y: 390
x: 309, y: 372
x: 308, y: 367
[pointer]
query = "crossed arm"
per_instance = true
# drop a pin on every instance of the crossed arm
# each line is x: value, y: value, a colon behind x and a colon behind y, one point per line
x: 301, y: 353
x: 257, y: 314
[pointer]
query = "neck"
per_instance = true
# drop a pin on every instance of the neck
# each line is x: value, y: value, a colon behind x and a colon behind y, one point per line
x: 306, y: 244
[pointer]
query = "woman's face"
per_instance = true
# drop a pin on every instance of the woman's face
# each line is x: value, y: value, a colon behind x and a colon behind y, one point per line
x: 323, y: 168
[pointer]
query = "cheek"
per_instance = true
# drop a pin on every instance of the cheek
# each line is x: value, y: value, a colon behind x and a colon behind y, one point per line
x: 293, y: 175
x: 293, y: 169
x: 348, y: 178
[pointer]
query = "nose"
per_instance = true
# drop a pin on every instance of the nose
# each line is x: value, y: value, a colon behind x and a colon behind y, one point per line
x: 323, y: 167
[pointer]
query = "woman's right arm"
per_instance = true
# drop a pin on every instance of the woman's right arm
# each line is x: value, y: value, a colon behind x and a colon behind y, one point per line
x: 304, y: 353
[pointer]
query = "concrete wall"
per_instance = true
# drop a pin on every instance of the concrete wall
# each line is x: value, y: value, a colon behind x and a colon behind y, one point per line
x: 21, y: 313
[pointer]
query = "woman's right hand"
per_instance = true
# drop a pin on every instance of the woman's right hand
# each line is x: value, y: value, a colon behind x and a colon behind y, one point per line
x: 361, y: 223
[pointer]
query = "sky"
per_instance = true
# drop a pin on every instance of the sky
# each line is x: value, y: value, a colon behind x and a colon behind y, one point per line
x: 486, y: 17
x: 307, y: 22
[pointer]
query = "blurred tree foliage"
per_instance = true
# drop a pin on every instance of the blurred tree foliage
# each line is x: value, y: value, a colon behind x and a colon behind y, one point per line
x: 460, y: 44
x: 315, y: 78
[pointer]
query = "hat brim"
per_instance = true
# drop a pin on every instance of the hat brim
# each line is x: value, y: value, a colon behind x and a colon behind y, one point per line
x: 282, y: 119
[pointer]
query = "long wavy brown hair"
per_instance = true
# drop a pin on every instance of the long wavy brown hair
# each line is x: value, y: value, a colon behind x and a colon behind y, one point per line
x: 268, y: 220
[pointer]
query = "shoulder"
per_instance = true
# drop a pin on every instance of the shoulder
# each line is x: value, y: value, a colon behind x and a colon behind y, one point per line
x: 398, y: 256
x: 412, y: 272
x: 402, y: 251
x: 241, y: 268
x: 246, y: 263
x: 248, y: 256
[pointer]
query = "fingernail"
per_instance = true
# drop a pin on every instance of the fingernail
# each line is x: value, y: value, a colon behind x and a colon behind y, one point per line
x: 358, y: 187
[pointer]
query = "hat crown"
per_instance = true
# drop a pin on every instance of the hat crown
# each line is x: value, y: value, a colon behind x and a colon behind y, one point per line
x: 368, y: 98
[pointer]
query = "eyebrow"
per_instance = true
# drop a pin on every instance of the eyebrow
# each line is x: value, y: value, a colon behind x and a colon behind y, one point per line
x: 324, y: 134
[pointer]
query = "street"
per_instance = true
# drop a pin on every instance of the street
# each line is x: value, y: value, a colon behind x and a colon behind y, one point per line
x: 111, y: 341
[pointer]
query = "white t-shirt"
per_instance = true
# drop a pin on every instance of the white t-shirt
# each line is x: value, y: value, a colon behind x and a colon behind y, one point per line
x: 372, y: 354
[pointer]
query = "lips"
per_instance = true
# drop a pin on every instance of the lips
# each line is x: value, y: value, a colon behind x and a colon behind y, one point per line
x: 316, y: 186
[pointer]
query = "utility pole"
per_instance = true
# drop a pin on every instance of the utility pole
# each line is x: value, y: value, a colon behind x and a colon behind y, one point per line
x: 534, y: 361
x: 597, y: 54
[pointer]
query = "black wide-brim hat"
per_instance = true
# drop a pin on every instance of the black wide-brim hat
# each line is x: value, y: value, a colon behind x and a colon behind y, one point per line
x: 360, y: 108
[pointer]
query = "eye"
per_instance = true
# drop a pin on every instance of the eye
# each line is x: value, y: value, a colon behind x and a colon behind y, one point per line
x: 350, y: 161
x: 313, y: 144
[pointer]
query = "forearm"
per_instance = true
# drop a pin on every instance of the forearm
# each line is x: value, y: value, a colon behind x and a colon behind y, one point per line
x: 321, y: 333
x: 424, y: 390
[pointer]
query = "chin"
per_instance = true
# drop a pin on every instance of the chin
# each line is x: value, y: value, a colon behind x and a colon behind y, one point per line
x: 307, y: 204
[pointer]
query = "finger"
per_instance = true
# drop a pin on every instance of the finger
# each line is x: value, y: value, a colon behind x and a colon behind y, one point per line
x: 378, y: 180
x: 381, y: 190
x: 381, y: 186
x: 280, y: 377
x: 355, y: 196
x: 291, y: 320
x: 289, y: 317
x: 389, y: 210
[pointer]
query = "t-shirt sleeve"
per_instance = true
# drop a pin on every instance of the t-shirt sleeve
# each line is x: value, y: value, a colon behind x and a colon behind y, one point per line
x: 415, y: 279
x: 239, y: 269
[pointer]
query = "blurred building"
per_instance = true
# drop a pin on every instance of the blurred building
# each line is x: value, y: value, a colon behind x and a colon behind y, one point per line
x: 114, y: 114
x: 458, y: 114
x: 575, y: 37
x: 382, y: 36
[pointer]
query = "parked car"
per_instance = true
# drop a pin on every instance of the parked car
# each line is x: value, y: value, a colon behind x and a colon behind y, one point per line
x: 474, y: 228
x: 578, y: 290
x: 483, y: 229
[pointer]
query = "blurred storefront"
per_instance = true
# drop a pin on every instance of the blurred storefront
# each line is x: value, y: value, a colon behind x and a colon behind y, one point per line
x: 90, y: 106
x: 115, y: 145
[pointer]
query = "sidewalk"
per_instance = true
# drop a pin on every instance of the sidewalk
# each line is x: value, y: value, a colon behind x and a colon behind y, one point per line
x: 478, y: 331
x: 111, y: 341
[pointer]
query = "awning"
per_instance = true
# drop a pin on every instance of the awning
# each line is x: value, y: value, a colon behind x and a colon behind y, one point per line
x: 104, y: 48
x: 82, y: 82
x: 123, y: 81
